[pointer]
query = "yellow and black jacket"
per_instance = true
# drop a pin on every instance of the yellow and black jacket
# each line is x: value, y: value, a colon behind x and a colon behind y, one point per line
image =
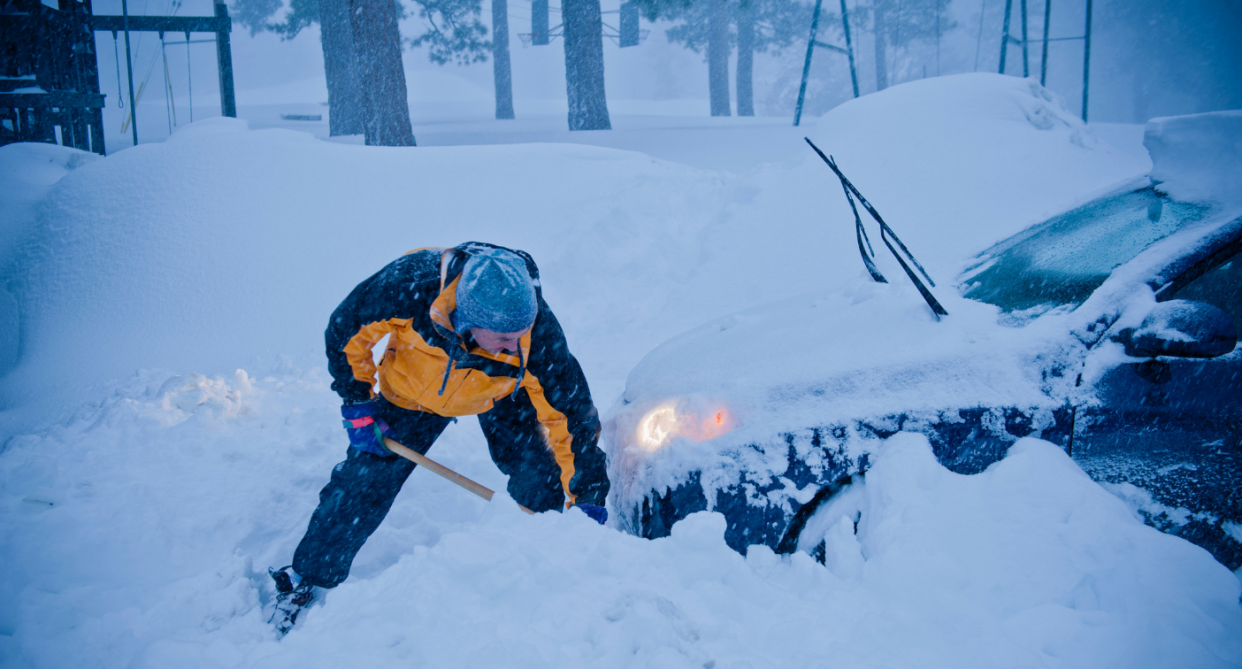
x: 428, y: 367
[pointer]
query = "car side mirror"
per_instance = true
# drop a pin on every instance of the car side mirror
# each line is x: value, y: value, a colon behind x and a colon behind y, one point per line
x: 1183, y: 329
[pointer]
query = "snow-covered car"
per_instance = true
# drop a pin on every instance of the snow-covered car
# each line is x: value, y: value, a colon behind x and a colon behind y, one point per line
x: 1109, y: 330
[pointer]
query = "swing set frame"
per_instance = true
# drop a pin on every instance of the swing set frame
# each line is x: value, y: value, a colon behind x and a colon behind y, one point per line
x: 49, y: 72
x: 220, y: 24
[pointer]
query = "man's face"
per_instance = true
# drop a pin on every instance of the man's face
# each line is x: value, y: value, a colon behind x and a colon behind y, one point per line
x: 495, y: 342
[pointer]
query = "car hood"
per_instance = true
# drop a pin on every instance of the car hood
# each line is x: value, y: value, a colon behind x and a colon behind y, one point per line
x: 863, y: 351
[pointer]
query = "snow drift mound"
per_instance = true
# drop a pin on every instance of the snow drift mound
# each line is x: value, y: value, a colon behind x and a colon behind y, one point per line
x: 223, y: 244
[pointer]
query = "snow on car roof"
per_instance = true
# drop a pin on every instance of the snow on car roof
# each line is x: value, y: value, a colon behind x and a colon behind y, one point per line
x: 953, y: 164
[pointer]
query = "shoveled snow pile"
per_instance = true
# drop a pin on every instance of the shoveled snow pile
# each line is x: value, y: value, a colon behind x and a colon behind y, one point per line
x: 169, y: 424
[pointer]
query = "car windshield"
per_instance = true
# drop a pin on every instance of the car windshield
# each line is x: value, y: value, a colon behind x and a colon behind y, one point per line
x: 1062, y: 260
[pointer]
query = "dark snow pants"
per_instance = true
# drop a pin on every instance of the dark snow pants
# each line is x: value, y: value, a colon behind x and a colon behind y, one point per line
x: 363, y: 487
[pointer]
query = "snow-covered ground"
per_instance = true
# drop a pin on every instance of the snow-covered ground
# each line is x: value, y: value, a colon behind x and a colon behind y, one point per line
x: 167, y: 422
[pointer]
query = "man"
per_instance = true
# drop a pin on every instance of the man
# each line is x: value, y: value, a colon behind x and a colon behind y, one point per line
x: 468, y: 333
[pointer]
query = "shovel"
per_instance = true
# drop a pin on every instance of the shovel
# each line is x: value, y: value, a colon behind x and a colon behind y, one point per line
x: 424, y: 461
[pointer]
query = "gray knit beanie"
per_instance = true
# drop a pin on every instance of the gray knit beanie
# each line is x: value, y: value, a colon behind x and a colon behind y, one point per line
x: 495, y: 292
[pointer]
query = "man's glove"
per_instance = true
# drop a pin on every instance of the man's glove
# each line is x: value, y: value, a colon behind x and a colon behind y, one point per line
x: 597, y: 513
x: 366, y: 430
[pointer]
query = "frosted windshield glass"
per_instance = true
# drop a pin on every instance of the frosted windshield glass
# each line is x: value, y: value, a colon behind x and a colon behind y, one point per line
x: 1061, y: 261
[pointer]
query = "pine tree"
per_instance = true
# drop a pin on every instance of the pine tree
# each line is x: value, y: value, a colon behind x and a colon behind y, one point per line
x: 746, y: 58
x: 502, y: 74
x: 340, y: 66
x: 584, y: 65
x: 718, y: 55
x: 386, y: 115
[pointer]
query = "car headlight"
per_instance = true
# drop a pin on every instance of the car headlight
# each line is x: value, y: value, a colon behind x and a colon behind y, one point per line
x: 665, y: 423
x: 656, y: 427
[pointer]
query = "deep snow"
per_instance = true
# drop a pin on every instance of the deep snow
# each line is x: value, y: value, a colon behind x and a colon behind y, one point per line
x: 147, y: 481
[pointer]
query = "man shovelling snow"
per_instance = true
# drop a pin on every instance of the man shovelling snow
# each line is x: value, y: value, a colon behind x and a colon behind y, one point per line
x: 468, y: 333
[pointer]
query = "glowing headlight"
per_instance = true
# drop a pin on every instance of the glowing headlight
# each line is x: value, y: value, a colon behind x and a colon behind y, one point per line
x: 656, y: 427
x: 662, y: 424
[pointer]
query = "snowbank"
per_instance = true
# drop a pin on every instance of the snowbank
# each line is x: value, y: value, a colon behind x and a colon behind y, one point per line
x: 1197, y: 157
x: 222, y: 244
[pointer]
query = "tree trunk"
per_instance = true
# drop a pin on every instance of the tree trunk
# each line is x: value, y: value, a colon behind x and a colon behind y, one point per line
x: 502, y: 75
x: 881, y: 44
x: 584, y: 65
x: 386, y: 119
x: 340, y: 68
x: 746, y: 59
x: 718, y: 57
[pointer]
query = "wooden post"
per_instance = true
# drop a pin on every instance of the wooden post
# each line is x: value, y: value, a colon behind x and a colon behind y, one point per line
x: 224, y: 59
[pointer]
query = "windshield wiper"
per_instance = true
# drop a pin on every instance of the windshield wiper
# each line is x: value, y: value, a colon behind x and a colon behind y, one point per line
x: 885, y: 233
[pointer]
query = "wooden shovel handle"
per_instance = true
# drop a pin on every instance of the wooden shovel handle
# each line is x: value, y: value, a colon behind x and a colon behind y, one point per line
x: 424, y: 461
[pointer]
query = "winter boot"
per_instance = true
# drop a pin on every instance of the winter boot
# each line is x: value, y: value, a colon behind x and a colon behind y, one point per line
x: 290, y: 599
